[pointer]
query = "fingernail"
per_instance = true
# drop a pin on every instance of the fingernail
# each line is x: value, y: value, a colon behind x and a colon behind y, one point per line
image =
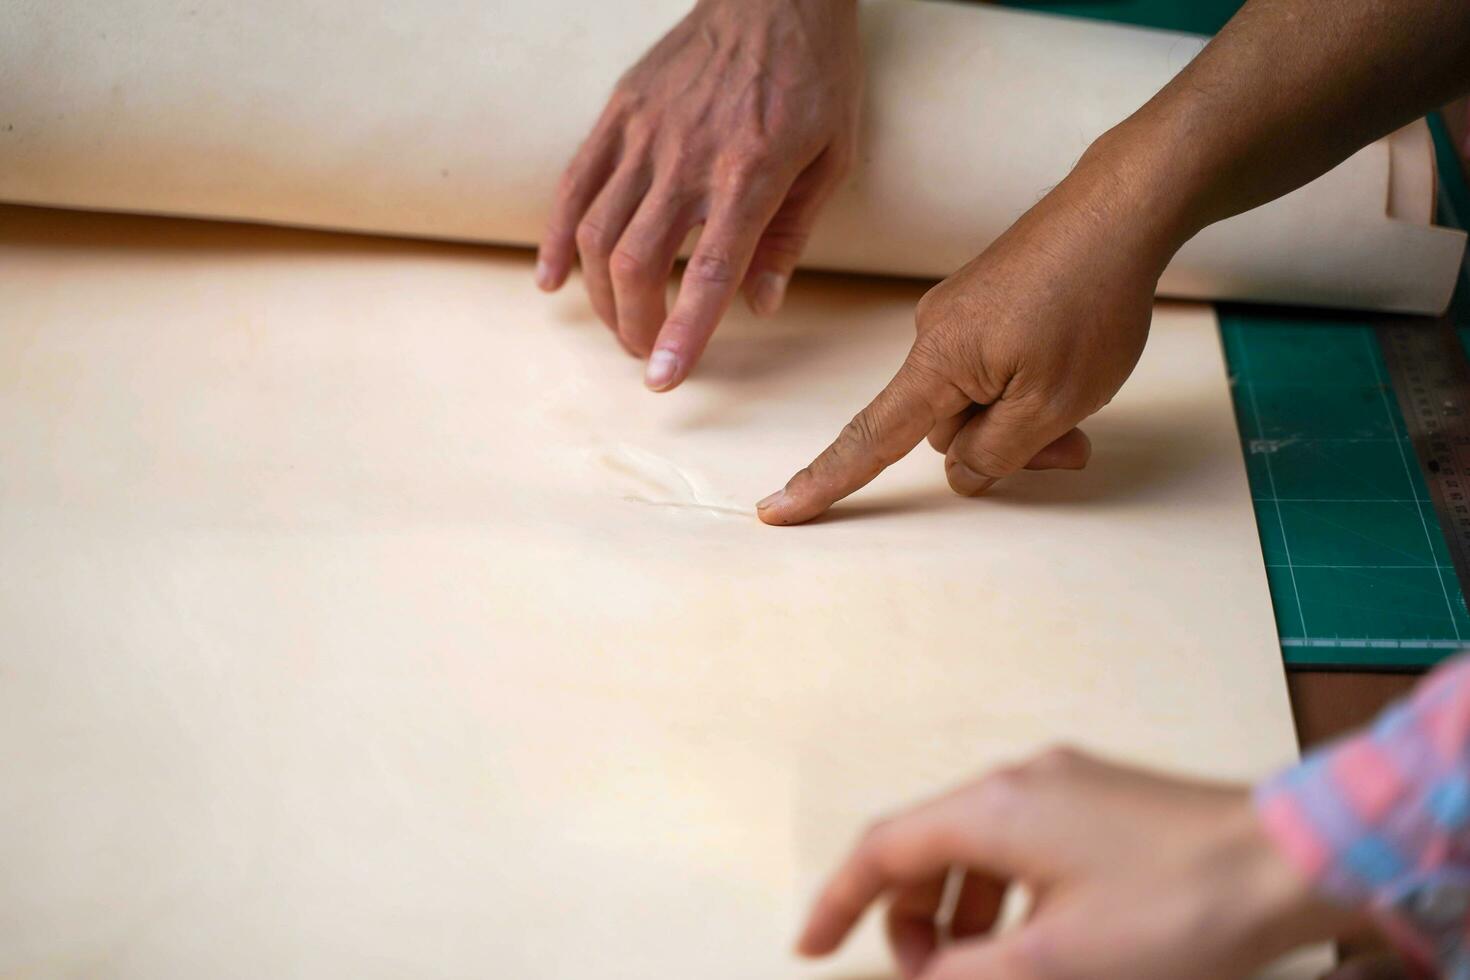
x: 660, y: 372
x: 771, y: 501
x: 966, y: 481
x: 543, y: 274
x: 770, y: 290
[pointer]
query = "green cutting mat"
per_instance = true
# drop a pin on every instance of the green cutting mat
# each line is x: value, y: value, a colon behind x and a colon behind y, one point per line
x: 1360, y: 576
x: 1359, y: 573
x: 1358, y: 568
x: 1199, y: 16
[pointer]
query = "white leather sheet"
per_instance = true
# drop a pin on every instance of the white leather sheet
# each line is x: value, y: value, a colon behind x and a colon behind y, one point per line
x: 361, y: 615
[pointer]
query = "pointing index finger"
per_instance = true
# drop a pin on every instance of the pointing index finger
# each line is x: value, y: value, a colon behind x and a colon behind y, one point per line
x: 877, y: 437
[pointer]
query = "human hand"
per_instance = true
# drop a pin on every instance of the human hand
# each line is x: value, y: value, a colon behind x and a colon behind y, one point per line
x: 743, y: 119
x: 1013, y: 351
x: 1132, y: 875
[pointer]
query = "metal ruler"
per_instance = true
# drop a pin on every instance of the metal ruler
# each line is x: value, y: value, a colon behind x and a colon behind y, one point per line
x: 1430, y: 376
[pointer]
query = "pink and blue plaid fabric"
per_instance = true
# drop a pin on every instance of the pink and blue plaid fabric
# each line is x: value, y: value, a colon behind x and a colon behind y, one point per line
x: 1381, y: 820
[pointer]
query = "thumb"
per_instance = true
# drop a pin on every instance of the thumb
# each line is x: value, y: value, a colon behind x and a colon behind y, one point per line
x: 877, y: 437
x: 1069, y: 452
x: 1006, y: 436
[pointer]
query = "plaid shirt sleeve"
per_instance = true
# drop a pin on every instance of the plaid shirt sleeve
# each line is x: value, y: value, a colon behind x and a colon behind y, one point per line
x: 1381, y: 820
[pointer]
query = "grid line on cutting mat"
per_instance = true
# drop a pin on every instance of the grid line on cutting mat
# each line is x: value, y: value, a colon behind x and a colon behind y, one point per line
x: 1354, y: 553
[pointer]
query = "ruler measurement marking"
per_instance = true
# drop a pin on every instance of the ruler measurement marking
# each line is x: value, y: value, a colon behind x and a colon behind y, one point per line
x: 1431, y: 382
x: 1356, y: 643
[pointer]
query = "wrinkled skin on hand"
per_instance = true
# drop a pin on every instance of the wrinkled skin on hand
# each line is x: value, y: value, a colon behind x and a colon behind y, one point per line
x: 742, y: 120
x: 1013, y: 351
x: 1133, y: 876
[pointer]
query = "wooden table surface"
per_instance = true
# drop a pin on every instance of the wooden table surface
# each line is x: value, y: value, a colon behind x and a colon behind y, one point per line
x: 1328, y: 703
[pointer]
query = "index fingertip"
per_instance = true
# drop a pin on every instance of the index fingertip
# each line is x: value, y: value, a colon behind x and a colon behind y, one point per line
x: 769, y: 509
x: 827, y: 926
x: 807, y: 950
x: 811, y: 944
x: 785, y: 508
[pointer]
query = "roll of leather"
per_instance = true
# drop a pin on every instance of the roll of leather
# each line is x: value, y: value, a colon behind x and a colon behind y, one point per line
x: 453, y: 119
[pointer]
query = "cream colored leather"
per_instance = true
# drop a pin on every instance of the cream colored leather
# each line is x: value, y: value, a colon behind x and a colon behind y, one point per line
x: 361, y: 615
x: 453, y: 119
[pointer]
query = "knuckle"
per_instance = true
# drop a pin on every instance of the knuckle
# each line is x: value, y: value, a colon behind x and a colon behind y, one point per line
x: 593, y: 238
x: 894, y: 852
x: 953, y: 838
x: 745, y: 171
x: 628, y: 268
x: 1056, y: 760
x: 924, y: 381
x: 927, y: 306
x: 712, y: 267
x: 945, y: 303
x: 1000, y: 795
x: 930, y: 353
x: 989, y: 462
x: 1034, y: 411
x: 860, y: 434
x: 627, y: 95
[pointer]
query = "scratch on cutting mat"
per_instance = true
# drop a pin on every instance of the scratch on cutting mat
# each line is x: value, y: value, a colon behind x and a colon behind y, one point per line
x: 1268, y: 446
x: 662, y: 482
